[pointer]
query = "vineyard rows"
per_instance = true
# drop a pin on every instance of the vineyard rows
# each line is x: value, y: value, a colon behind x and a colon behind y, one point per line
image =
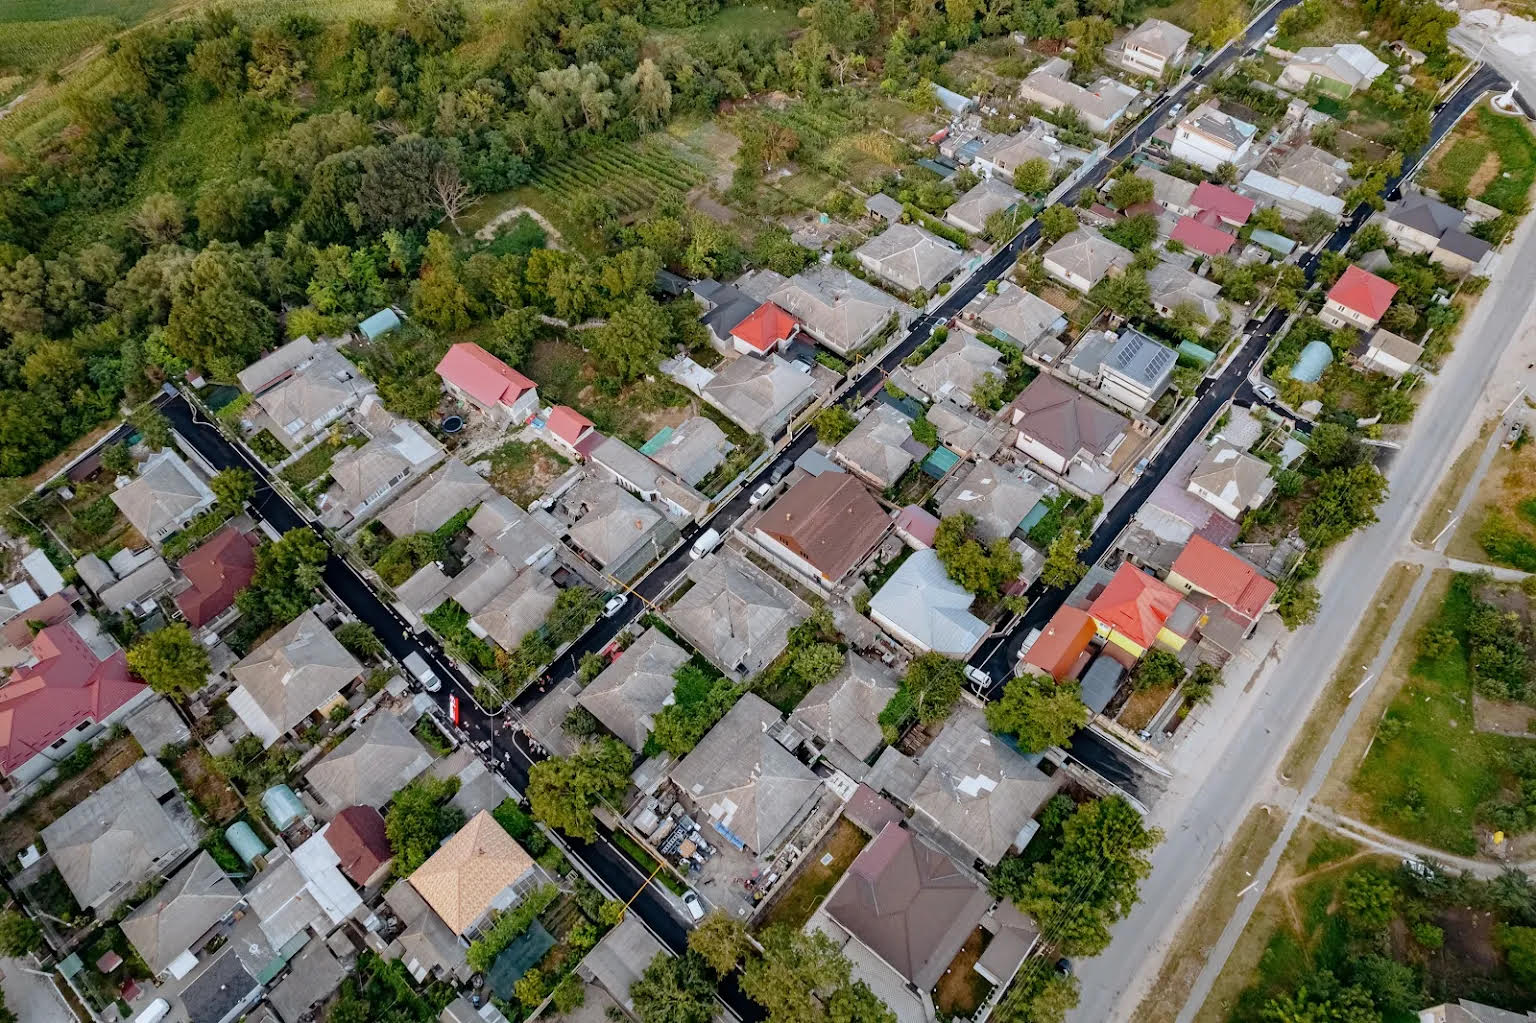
x: 632, y: 179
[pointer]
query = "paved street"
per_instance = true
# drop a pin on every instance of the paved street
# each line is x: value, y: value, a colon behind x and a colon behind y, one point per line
x: 1225, y: 768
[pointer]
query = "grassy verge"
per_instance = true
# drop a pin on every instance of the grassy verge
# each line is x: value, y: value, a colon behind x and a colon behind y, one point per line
x: 814, y: 881
x: 1367, y: 639
x: 1194, y: 941
x: 647, y: 863
x: 1440, y: 509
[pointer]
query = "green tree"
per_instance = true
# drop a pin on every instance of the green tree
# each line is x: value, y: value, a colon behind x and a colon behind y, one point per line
x: 833, y: 423
x: 674, y: 990
x: 359, y: 640
x: 1322, y: 1000
x: 990, y: 391
x: 154, y: 429
x: 530, y: 989
x: 1519, y: 946
x: 170, y: 660
x: 1037, y: 710
x: 233, y: 487
x: 933, y: 683
x: 1063, y: 568
x: 721, y: 941
x: 1297, y: 602
x: 570, y: 994
x: 287, y: 572
x: 19, y: 934
x: 217, y: 319
x: 418, y: 820
x: 804, y: 978
x: 1043, y: 996
x: 1130, y: 189
x: 1345, y: 501
x: 562, y: 791
x: 1158, y: 668
x: 1091, y: 879
x: 634, y: 340
x: 116, y: 458
x: 1033, y: 176
x: 1369, y: 902
x: 1056, y: 222
x: 982, y: 570
x: 442, y: 300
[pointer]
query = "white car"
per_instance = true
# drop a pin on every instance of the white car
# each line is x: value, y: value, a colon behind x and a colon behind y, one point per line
x: 692, y: 904
x: 760, y: 495
x: 615, y: 604
x: 978, y: 676
x: 1266, y: 392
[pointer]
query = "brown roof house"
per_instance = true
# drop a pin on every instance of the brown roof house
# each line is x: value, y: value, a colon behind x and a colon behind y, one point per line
x: 909, y: 904
x: 378, y: 759
x: 298, y: 671
x: 357, y: 837
x: 1067, y: 432
x: 845, y: 710
x: 751, y: 788
x: 823, y: 526
x: 630, y: 692
x: 480, y: 870
x: 168, y: 929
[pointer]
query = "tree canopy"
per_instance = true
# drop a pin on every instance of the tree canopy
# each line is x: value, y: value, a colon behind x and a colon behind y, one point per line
x: 562, y: 791
x: 1040, y: 712
x: 171, y: 660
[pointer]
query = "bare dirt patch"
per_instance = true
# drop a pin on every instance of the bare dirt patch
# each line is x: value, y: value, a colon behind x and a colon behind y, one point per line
x: 1142, y: 706
x: 1504, y: 717
x: 205, y: 784
x: 1484, y: 175
x: 961, y: 990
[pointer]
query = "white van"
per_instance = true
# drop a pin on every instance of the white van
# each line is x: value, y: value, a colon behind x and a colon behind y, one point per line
x: 417, y: 666
x: 707, y: 541
x: 154, y: 1012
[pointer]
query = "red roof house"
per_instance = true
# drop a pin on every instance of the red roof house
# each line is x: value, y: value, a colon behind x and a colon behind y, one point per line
x: 66, y: 686
x: 1361, y: 293
x: 765, y: 330
x: 1134, y: 607
x: 1232, y: 208
x: 1207, y: 568
x: 567, y: 425
x: 478, y: 377
x: 1205, y: 238
x: 357, y: 836
x: 218, y: 570
x: 1056, y: 650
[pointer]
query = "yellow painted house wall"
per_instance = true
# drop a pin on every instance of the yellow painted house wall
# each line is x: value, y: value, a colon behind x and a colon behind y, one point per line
x: 1172, y: 640
x: 1180, y: 583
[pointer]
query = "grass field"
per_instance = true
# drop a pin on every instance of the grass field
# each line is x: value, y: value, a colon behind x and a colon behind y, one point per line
x: 814, y: 880
x: 1484, y: 148
x: 1428, y: 770
x: 733, y: 22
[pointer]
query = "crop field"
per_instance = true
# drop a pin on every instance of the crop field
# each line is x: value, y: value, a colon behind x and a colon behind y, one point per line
x: 633, y: 178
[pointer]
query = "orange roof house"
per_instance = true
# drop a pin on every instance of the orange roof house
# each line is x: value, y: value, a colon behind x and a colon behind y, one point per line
x: 1056, y: 650
x: 765, y: 330
x: 1361, y: 293
x: 1207, y: 568
x: 567, y: 425
x: 1133, y: 610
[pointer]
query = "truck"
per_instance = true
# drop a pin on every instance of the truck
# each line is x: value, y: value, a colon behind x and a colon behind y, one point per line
x: 417, y: 666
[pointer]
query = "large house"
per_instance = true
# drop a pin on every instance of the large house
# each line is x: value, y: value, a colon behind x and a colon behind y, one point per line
x: 824, y: 526
x: 751, y: 789
x: 365, y: 478
x: 736, y: 614
x: 1171, y: 287
x: 217, y: 572
x: 1423, y: 225
x: 434, y: 500
x: 617, y: 531
x: 1357, y: 299
x: 378, y: 759
x: 300, y: 670
x: 1002, y: 155
x: 1134, y: 610
x: 844, y: 711
x: 924, y: 608
x: 73, y: 685
x: 1203, y: 567
x: 1132, y: 369
x: 1099, y: 106
x: 164, y: 497
x: 627, y: 695
x: 762, y: 395
x: 998, y: 498
x: 1153, y: 46
x: 910, y: 258
x: 481, y: 870
x: 1061, y: 427
x: 1335, y: 71
x: 1084, y: 258
x: 1207, y: 137
x: 833, y: 306
x: 1016, y: 315
x: 302, y: 388
x: 476, y: 377
x: 1231, y: 480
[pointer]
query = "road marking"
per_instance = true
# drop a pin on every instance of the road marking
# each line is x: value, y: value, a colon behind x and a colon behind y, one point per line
x: 1363, y: 683
x: 1436, y: 541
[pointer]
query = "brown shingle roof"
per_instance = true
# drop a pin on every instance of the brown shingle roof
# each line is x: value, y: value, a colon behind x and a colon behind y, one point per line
x: 358, y: 839
x: 829, y: 520
x: 466, y: 874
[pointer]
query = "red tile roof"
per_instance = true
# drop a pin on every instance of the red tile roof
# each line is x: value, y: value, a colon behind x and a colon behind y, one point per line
x: 1065, y: 638
x: 1224, y: 202
x: 1202, y: 237
x: 67, y: 685
x: 1135, y: 605
x: 567, y: 424
x: 358, y: 839
x: 1225, y: 576
x: 218, y: 569
x: 481, y: 375
x: 765, y: 328
x: 1363, y: 292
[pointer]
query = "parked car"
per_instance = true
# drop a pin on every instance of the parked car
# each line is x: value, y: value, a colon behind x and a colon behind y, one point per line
x: 1266, y: 392
x: 615, y: 604
x: 780, y: 471
x: 976, y: 675
x: 707, y: 541
x: 691, y: 903
x: 760, y: 494
x: 417, y: 666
